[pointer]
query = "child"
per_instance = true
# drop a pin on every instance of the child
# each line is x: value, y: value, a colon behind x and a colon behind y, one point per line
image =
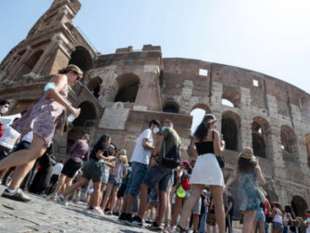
x: 115, y: 179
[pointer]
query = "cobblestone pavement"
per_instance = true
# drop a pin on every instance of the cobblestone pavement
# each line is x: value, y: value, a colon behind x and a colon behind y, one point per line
x: 44, y: 216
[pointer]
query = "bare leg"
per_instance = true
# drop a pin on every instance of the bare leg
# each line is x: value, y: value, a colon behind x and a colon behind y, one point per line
x: 24, y: 160
x: 248, y: 221
x: 67, y: 183
x: 195, y: 222
x: 217, y: 193
x: 107, y: 196
x: 113, y: 200
x: 82, y: 181
x: 163, y: 198
x: 261, y: 227
x: 60, y: 183
x: 143, y: 201
x: 97, y: 194
x: 189, y: 204
x: 21, y: 157
x: 20, y: 173
x: 176, y: 210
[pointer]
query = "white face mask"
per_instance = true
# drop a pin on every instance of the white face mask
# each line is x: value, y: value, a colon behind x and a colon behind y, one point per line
x: 156, y: 130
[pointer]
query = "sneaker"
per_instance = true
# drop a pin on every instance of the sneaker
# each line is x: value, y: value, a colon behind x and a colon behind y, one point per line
x: 19, y: 195
x: 136, y: 221
x: 97, y: 210
x: 128, y: 219
x: 155, y: 227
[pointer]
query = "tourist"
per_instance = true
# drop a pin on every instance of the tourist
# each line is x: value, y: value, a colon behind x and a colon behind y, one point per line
x: 92, y: 170
x: 206, y: 144
x: 44, y: 168
x: 249, y: 175
x: 78, y: 153
x: 57, y: 168
x: 139, y: 163
x: 307, y: 221
x: 182, y: 186
x: 43, y: 118
x: 260, y: 219
x: 168, y: 144
x: 277, y: 221
x: 115, y: 179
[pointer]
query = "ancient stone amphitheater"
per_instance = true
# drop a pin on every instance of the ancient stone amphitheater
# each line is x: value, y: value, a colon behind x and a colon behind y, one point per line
x: 124, y: 90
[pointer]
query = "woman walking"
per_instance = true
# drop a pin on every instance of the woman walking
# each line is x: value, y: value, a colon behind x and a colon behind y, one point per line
x: 249, y: 174
x: 206, y: 144
x: 92, y: 170
x: 78, y: 152
x: 43, y: 119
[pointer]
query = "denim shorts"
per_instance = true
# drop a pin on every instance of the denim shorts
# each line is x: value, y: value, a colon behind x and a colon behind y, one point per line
x: 158, y: 175
x: 114, y: 181
x: 277, y: 226
x: 260, y: 216
x: 136, y: 178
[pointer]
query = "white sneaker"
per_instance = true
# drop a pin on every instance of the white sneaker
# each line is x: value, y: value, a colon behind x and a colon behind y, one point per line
x: 97, y: 210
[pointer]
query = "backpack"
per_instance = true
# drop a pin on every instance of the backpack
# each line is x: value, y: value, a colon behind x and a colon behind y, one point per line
x: 172, y: 158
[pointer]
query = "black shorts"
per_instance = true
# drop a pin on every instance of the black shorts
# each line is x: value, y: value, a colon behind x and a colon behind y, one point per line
x: 54, y: 179
x: 121, y: 190
x: 70, y: 168
x: 4, y: 152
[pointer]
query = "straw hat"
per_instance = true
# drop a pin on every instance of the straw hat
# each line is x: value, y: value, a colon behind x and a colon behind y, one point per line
x: 247, y: 153
x: 75, y: 68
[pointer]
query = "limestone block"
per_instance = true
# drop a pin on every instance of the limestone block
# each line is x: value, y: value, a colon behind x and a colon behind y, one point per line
x: 115, y: 117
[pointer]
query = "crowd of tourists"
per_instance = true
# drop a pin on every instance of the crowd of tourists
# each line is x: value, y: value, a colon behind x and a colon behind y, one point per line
x: 156, y: 189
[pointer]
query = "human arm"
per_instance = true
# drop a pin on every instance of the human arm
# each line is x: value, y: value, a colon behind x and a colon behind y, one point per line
x: 217, y: 142
x: 260, y: 176
x: 191, y: 149
x: 59, y: 82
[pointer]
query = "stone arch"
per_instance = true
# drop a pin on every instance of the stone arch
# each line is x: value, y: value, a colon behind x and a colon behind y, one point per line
x: 31, y: 62
x: 299, y: 205
x: 261, y: 137
x: 231, y: 96
x: 88, y: 115
x: 198, y: 112
x: 94, y: 85
x: 82, y: 58
x: 127, y: 88
x: 83, y: 124
x: 202, y: 106
x: 171, y: 106
x: 289, y: 143
x: 231, y: 130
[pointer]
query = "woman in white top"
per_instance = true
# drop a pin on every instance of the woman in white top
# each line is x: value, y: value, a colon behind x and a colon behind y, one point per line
x: 277, y: 221
x: 206, y: 145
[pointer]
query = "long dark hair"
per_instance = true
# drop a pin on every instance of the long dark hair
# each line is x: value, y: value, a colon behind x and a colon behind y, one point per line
x: 202, y: 130
x: 246, y: 165
x: 102, y: 141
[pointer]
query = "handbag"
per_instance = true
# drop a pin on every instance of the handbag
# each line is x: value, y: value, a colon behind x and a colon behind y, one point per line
x: 220, y: 159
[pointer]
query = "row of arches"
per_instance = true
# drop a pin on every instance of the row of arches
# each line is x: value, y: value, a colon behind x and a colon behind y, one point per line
x: 260, y: 133
x: 124, y: 89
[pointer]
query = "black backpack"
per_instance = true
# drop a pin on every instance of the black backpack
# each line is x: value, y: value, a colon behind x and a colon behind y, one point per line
x: 172, y: 158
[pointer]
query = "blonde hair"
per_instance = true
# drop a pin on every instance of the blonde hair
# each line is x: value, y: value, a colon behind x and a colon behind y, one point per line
x: 124, y: 159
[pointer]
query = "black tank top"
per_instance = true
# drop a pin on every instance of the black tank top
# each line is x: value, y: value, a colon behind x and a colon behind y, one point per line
x: 204, y: 147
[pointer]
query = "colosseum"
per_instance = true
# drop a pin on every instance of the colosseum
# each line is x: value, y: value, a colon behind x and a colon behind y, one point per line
x: 122, y: 91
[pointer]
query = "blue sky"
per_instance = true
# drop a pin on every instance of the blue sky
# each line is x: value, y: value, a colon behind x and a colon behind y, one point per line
x: 272, y: 37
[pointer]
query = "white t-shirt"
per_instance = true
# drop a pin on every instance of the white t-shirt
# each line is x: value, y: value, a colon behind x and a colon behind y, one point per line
x: 28, y: 137
x: 57, y: 169
x: 140, y: 154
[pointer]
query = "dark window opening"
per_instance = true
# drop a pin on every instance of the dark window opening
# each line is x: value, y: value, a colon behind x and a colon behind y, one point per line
x: 230, y: 134
x: 94, y: 86
x: 171, y: 107
x: 82, y: 58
